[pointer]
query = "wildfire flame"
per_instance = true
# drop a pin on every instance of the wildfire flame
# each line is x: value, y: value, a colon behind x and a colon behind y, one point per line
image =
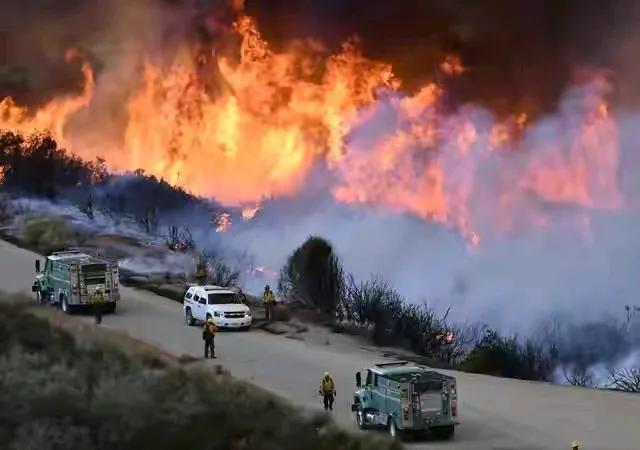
x: 278, y: 115
x: 250, y: 213
x: 223, y: 223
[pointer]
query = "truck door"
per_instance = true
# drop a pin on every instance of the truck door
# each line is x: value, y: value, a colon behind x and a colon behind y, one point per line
x: 366, y: 396
x: 379, y: 398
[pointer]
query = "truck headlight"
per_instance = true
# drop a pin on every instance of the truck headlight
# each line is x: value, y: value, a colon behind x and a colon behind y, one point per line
x: 248, y: 314
x: 217, y: 314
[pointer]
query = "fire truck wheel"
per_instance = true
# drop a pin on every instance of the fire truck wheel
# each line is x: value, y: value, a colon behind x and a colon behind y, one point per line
x: 360, y: 419
x: 394, y: 432
x: 64, y: 305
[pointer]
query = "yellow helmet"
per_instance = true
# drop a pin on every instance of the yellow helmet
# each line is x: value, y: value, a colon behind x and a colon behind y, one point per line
x: 326, y: 374
x: 575, y: 445
x: 209, y: 320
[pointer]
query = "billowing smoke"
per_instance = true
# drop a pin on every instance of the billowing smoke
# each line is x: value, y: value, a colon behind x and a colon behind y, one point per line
x: 509, y: 192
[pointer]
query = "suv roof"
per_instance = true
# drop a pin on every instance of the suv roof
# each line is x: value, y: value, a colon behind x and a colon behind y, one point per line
x: 402, y: 371
x: 210, y: 289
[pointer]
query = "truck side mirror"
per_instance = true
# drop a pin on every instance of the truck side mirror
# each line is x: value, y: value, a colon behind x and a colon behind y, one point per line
x: 358, y: 379
x: 37, y: 266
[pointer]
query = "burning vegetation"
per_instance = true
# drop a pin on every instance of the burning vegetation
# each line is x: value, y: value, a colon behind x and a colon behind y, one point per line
x: 240, y: 120
x: 484, y: 126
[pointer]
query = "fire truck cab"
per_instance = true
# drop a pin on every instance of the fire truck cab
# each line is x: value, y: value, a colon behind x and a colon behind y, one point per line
x: 406, y: 399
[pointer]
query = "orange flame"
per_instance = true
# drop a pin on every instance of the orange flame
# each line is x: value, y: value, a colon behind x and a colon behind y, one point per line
x: 223, y: 223
x: 452, y: 66
x: 278, y: 114
x: 250, y: 213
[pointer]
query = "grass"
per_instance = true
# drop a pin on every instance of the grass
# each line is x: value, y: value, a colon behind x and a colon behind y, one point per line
x: 62, y: 389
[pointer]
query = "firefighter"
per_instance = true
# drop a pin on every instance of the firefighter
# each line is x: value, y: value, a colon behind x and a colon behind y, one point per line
x: 268, y: 299
x: 243, y: 298
x: 575, y: 445
x: 97, y: 301
x: 328, y: 391
x: 208, y: 336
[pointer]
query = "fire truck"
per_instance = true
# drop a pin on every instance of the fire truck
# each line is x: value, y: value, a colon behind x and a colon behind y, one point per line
x: 72, y: 279
x: 406, y: 399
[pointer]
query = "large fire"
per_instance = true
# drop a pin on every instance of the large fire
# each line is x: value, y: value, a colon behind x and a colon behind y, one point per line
x: 280, y: 114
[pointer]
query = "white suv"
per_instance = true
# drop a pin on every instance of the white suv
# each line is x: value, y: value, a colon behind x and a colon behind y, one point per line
x: 223, y: 305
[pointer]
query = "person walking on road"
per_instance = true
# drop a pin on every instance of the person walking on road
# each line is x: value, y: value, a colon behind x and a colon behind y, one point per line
x: 209, y: 335
x: 328, y: 391
x: 268, y: 299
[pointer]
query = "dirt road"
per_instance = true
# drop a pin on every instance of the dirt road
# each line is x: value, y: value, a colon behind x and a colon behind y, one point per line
x: 496, y: 414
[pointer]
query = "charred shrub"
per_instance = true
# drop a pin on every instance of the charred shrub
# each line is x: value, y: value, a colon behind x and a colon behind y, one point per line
x: 143, y: 196
x: 35, y: 165
x: 6, y: 211
x: 509, y: 357
x: 313, y: 274
x: 212, y: 269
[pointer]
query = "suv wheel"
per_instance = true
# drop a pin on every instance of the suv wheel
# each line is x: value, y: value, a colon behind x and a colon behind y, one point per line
x: 189, y: 316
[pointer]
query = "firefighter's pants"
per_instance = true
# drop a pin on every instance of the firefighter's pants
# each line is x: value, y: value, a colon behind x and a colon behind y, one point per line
x: 210, y: 348
x: 97, y: 312
x: 328, y: 402
x: 268, y: 311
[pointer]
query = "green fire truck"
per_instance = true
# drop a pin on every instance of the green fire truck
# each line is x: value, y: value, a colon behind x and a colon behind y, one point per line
x: 72, y: 279
x: 406, y: 399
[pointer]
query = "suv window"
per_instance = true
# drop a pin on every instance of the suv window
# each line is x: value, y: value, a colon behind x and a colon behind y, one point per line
x: 223, y: 299
x: 189, y: 295
x: 202, y: 300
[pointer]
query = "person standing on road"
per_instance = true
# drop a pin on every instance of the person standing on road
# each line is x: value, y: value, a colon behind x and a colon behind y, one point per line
x: 268, y: 299
x: 97, y: 302
x: 209, y: 335
x: 328, y: 391
x: 243, y: 298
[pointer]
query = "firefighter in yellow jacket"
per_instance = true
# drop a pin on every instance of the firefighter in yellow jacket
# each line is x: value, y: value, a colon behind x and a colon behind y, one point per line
x: 328, y: 391
x: 268, y: 299
x: 97, y: 303
x: 208, y: 336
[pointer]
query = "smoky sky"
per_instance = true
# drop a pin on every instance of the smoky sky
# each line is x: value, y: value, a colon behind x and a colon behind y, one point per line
x: 520, y: 55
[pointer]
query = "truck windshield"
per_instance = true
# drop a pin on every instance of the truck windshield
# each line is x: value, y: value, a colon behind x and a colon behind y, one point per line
x: 223, y: 299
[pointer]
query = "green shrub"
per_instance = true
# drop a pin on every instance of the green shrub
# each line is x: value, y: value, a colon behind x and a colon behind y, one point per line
x: 59, y: 393
x: 45, y: 234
